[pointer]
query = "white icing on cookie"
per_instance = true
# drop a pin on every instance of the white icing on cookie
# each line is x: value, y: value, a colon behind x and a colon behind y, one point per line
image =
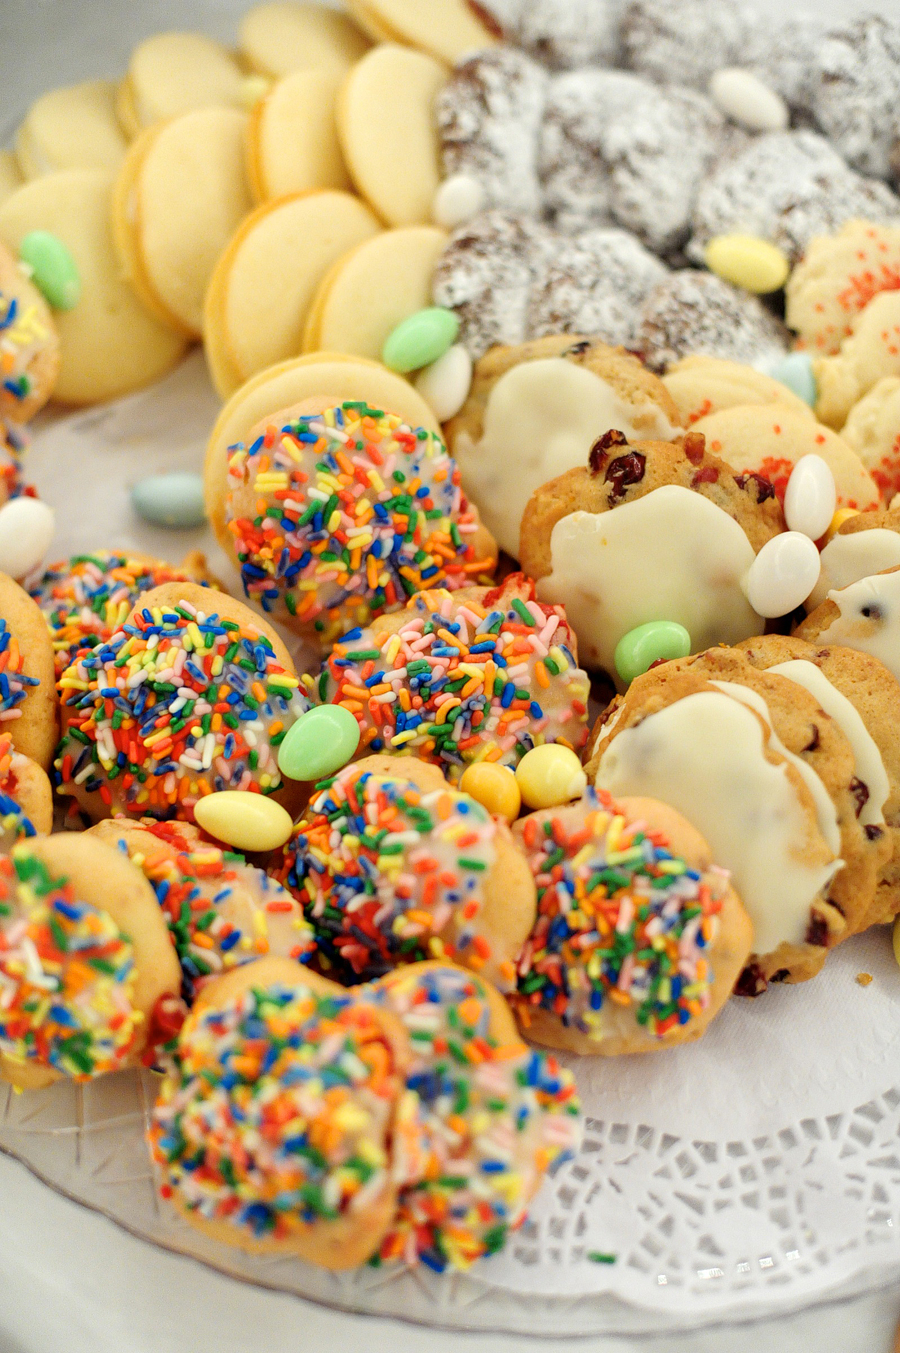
x: 704, y: 755
x: 869, y: 619
x: 846, y: 559
x: 671, y: 555
x: 541, y: 419
x: 867, y: 758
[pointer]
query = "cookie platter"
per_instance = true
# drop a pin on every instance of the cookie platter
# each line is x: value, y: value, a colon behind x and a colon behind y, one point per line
x: 750, y: 1173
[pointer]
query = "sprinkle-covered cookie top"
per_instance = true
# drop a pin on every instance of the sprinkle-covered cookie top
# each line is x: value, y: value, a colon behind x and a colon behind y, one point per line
x: 221, y: 911
x: 66, y: 974
x: 342, y: 515
x: 14, y: 821
x: 462, y: 680
x: 388, y: 875
x: 22, y: 337
x: 621, y: 919
x: 275, y: 1114
x: 14, y: 683
x: 177, y: 704
x: 85, y: 599
x: 479, y: 1125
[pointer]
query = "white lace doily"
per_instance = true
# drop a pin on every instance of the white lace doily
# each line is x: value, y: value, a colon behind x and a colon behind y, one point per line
x: 750, y: 1173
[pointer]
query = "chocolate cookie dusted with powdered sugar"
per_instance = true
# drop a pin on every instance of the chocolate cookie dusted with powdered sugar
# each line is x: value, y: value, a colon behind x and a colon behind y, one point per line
x: 696, y: 312
x: 594, y: 283
x: 781, y: 52
x: 562, y: 34
x: 489, y: 115
x: 856, y: 93
x: 683, y: 43
x: 787, y: 187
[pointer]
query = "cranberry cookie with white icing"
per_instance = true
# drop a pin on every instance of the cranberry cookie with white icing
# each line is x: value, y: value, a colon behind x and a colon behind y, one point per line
x: 864, y: 615
x: 649, y: 531
x: 639, y: 937
x: 536, y: 410
x: 866, y: 543
x: 836, y: 278
x: 456, y: 678
x: 706, y: 750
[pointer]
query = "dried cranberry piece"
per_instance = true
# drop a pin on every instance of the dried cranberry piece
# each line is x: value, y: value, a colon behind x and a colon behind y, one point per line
x: 860, y: 791
x: 624, y: 471
x: 577, y: 349
x: 763, y: 486
x: 873, y: 831
x: 598, y: 456
x: 814, y: 740
x: 751, y: 982
x: 817, y: 931
x: 693, y: 444
x: 781, y: 975
x: 709, y: 474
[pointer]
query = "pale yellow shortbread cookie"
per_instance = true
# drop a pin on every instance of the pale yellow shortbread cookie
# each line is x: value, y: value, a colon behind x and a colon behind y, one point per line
x: 171, y: 73
x: 11, y: 176
x: 873, y: 431
x: 292, y: 140
x: 871, y: 353
x: 286, y: 36
x: 71, y: 128
x: 703, y: 385
x: 448, y: 29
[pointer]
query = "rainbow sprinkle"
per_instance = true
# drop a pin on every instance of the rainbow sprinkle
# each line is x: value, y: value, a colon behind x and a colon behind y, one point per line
x: 14, y: 684
x: 478, y: 1128
x: 221, y: 911
x: 85, y: 599
x: 620, y: 919
x: 276, y: 1112
x: 66, y: 975
x: 388, y: 875
x: 179, y: 703
x: 485, y: 679
x: 22, y: 335
x: 342, y: 515
x: 14, y: 821
x: 13, y: 445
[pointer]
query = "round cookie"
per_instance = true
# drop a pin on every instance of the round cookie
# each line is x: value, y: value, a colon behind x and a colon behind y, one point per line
x: 535, y: 411
x: 872, y: 430
x: 874, y: 699
x: 396, y: 519
x: 712, y: 756
x: 279, y: 38
x: 193, y: 694
x: 648, y: 531
x: 11, y: 176
x: 476, y: 1131
x: 385, y: 118
x: 836, y: 278
x: 110, y: 344
x: 27, y: 694
x: 179, y: 197
x: 372, y: 289
x: 692, y: 312
x: 173, y: 73
x: 871, y: 353
x: 563, y: 36
x: 264, y: 282
x: 85, y: 599
x: 426, y: 682
x: 390, y: 871
x: 854, y: 91
x: 271, y: 1056
x: 635, y: 870
x: 684, y: 46
x: 85, y: 959
x: 864, y: 544
x: 221, y: 911
x: 769, y: 440
x: 26, y: 798
x: 448, y: 32
x: 702, y: 385
x: 29, y: 344
x: 292, y: 140
x: 71, y: 128
x: 864, y: 615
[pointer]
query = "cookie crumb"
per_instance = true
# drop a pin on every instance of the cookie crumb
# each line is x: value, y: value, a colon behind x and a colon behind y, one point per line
x: 864, y: 978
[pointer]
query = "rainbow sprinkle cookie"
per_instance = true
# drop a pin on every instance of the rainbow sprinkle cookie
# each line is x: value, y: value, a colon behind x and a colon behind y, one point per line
x: 221, y: 911
x: 85, y: 599
x: 13, y: 445
x: 66, y: 975
x: 454, y: 680
x: 177, y: 704
x: 387, y: 874
x: 342, y: 515
x: 275, y: 1116
x: 14, y: 684
x: 27, y: 357
x: 15, y: 824
x: 483, y: 1119
x: 622, y: 921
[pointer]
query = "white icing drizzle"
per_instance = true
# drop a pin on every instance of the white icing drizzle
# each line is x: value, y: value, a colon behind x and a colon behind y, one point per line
x: 867, y: 758
x: 671, y: 555
x: 541, y: 419
x: 877, y: 633
x: 846, y: 559
x: 704, y: 755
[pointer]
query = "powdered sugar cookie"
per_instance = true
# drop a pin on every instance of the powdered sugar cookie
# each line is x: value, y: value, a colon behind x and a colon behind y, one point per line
x: 292, y: 140
x: 864, y: 615
x: 280, y: 38
x: 71, y: 128
x: 684, y: 46
x: 855, y: 89
x: 536, y: 410
x: 386, y: 126
x: 690, y: 312
x: 265, y: 280
x: 870, y: 354
x: 769, y: 439
x: 172, y: 73
x: 80, y: 922
x: 836, y: 278
x: 702, y: 385
x: 27, y: 696
x: 26, y: 798
x: 372, y: 289
x: 682, y: 935
x: 872, y: 430
x: 29, y: 344
x: 110, y: 343
x: 563, y: 34
x: 447, y: 33
x: 178, y: 199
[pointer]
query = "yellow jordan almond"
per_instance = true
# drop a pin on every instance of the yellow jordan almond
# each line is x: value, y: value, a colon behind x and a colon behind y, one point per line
x: 748, y: 262
x: 244, y: 820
